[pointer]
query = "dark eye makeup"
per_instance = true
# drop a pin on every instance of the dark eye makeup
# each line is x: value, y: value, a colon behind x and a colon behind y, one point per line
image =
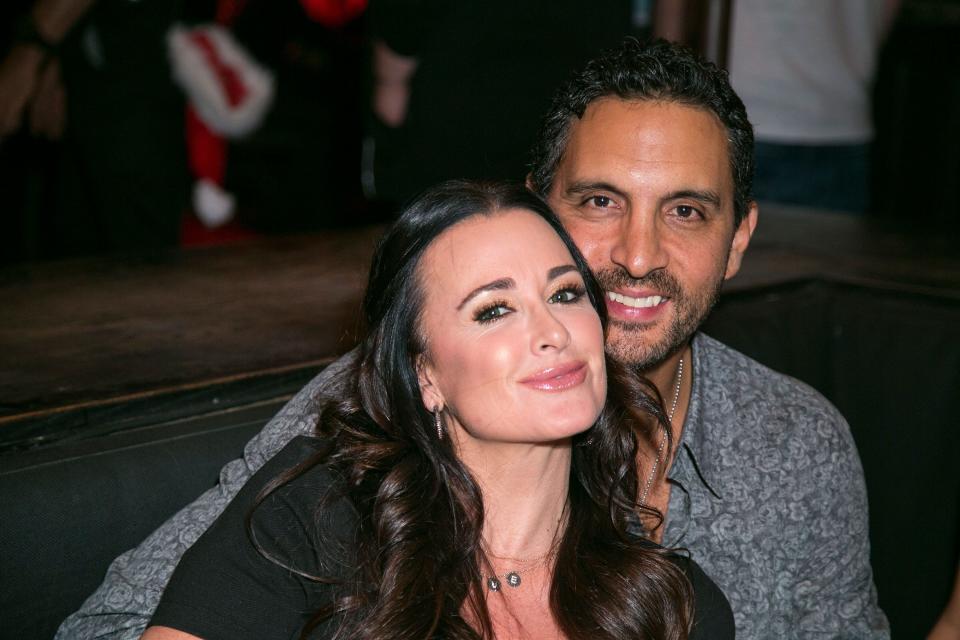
x: 568, y: 293
x: 492, y: 311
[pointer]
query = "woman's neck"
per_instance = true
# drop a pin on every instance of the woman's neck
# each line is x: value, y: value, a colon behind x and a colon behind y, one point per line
x: 524, y: 491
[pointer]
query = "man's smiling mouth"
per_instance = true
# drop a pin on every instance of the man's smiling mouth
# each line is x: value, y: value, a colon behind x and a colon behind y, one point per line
x: 636, y: 303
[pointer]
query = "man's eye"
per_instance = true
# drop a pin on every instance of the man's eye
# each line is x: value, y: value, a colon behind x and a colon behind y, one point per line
x: 600, y: 201
x: 491, y: 312
x: 686, y: 211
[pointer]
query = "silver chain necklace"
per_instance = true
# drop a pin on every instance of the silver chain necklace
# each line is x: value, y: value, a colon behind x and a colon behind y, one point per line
x: 663, y: 436
x: 512, y: 577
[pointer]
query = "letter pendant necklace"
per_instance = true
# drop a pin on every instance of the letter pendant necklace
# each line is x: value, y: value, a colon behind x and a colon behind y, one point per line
x: 512, y: 577
x: 519, y: 566
x: 663, y: 436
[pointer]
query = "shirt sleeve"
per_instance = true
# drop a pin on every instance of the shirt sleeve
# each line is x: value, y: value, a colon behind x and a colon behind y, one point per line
x: 122, y: 605
x: 225, y: 587
x: 834, y: 593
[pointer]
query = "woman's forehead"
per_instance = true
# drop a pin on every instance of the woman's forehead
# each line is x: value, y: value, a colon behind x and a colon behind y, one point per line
x: 496, y: 245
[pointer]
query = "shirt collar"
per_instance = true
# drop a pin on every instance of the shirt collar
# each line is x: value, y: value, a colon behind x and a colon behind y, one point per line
x: 694, y: 439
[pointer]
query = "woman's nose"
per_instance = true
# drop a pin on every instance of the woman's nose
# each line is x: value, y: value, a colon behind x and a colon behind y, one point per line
x: 549, y: 332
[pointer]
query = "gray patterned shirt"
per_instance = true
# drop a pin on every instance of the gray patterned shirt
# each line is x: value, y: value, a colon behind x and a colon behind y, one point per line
x: 768, y: 496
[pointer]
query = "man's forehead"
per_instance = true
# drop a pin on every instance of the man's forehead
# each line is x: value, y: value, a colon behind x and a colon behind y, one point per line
x: 627, y: 138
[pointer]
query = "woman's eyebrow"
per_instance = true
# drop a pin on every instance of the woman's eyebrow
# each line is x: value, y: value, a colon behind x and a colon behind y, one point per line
x: 508, y: 283
x: 496, y: 285
x: 556, y: 272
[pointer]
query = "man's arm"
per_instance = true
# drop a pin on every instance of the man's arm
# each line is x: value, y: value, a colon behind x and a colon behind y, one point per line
x: 391, y: 84
x: 948, y: 625
x: 123, y: 604
x: 21, y: 68
x: 834, y: 593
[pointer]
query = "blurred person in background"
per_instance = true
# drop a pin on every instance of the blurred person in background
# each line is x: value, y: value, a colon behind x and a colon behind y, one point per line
x: 805, y: 71
x: 459, y: 87
x: 95, y: 76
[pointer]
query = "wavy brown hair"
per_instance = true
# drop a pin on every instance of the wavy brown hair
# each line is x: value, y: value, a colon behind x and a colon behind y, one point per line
x: 416, y: 558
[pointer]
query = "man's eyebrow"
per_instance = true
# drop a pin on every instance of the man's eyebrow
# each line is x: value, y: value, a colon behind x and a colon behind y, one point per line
x: 496, y: 285
x: 556, y: 272
x: 706, y: 196
x: 582, y: 188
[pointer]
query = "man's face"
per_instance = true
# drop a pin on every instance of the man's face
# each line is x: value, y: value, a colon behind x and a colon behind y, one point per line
x: 646, y: 190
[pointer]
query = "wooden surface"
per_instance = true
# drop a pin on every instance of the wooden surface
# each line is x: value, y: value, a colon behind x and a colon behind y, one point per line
x: 77, y: 333
x: 794, y: 244
x: 80, y: 334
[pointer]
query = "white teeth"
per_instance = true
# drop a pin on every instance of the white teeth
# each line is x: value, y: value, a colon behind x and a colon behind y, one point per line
x: 637, y: 303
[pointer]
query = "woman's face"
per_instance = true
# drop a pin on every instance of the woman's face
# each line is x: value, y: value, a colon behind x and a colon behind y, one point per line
x: 514, y: 349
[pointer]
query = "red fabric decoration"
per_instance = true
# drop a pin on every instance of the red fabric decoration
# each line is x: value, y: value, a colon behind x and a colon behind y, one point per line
x: 232, y: 85
x: 207, y: 151
x: 333, y: 13
x: 228, y: 10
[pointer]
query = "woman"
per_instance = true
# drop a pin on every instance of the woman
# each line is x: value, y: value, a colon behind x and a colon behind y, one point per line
x: 478, y: 479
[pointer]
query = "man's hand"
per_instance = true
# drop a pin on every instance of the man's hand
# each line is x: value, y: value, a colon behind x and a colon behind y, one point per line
x: 948, y: 626
x: 391, y: 90
x: 48, y: 109
x: 19, y: 76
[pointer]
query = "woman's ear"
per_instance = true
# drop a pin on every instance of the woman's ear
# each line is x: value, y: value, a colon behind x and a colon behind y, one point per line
x: 429, y: 391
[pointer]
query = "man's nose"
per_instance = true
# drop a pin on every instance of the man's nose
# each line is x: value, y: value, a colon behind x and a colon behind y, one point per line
x: 639, y: 247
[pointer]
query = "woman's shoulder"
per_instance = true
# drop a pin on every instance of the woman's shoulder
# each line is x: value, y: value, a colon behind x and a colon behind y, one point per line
x: 297, y: 497
x: 297, y: 472
x: 269, y: 559
x: 713, y: 616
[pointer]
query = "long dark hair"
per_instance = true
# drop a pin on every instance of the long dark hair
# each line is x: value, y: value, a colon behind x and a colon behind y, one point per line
x: 416, y: 557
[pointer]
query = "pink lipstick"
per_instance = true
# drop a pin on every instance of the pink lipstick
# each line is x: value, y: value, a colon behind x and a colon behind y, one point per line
x: 558, y: 378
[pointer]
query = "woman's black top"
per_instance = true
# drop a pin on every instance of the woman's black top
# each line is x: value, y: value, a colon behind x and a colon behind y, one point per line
x: 224, y: 587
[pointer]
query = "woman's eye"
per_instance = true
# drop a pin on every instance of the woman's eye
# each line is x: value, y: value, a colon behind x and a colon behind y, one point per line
x: 491, y: 312
x: 567, y: 295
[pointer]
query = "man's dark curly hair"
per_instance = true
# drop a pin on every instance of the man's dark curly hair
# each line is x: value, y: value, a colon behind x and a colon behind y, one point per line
x: 657, y: 70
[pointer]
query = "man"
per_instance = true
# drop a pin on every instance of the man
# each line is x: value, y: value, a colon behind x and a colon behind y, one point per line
x: 646, y: 156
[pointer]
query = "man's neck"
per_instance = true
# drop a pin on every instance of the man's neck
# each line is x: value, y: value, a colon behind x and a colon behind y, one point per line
x: 671, y: 383
x: 664, y: 376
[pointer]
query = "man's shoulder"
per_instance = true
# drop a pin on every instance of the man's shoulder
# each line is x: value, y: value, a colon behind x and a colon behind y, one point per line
x: 743, y: 400
x: 793, y: 499
x: 739, y: 384
x: 299, y: 416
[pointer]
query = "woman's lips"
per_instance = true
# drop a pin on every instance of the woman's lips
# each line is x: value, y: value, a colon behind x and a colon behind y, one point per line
x: 557, y: 378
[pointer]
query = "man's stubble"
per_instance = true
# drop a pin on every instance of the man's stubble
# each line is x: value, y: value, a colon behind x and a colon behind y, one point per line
x: 631, y: 346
